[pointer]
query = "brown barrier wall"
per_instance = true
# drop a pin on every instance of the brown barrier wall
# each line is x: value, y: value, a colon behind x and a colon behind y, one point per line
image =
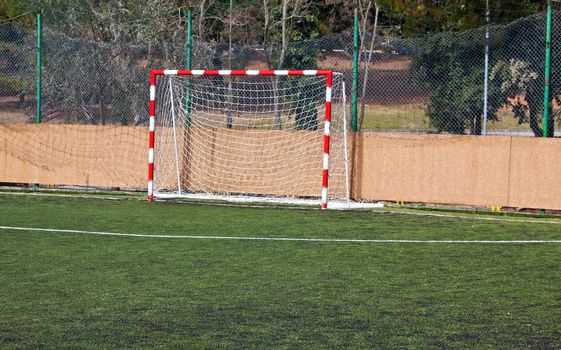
x: 460, y: 170
x: 519, y: 172
x: 432, y: 168
x: 535, y: 173
x: 215, y: 151
x: 99, y: 156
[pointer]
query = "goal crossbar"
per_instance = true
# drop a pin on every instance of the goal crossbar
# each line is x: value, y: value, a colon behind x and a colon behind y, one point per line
x: 154, y: 74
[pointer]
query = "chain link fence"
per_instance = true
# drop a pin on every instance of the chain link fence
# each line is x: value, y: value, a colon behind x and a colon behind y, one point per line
x: 430, y: 84
x: 86, y: 82
x: 18, y: 74
x: 437, y: 83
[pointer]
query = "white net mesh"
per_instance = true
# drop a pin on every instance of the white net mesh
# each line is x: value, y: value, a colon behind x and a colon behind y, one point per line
x: 248, y: 136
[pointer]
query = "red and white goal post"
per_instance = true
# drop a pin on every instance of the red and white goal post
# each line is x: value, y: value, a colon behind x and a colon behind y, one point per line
x: 248, y: 134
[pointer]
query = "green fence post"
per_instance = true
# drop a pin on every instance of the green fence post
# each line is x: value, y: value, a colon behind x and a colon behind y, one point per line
x: 547, y: 74
x: 38, y: 91
x: 188, y: 66
x: 354, y: 97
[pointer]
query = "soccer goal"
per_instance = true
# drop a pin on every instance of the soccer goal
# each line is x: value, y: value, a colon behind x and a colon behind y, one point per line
x: 249, y: 135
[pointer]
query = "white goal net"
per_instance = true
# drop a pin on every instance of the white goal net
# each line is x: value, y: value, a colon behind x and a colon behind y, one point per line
x: 249, y: 136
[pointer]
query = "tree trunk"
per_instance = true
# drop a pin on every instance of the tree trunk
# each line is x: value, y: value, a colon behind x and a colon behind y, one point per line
x: 201, y: 18
x: 551, y: 126
x: 282, y: 57
x: 534, y: 125
x: 478, y: 125
x: 229, y: 118
x: 266, y: 22
x: 367, y: 69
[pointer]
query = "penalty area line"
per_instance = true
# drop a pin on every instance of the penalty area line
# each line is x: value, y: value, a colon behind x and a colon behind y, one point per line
x: 465, y: 217
x: 282, y: 239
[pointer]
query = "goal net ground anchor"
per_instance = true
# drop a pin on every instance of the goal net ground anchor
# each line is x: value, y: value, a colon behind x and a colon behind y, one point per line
x: 304, y: 202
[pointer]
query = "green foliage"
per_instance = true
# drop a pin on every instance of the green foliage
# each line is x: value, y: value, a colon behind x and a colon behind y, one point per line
x: 524, y: 50
x: 521, y: 67
x: 13, y: 8
x: 302, y: 101
x: 100, y: 91
x: 443, y: 65
x: 303, y: 54
x: 305, y: 109
x: 154, y: 20
x: 11, y: 86
x: 17, y: 59
x: 424, y: 16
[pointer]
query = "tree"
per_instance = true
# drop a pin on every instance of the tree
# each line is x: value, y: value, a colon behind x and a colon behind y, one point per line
x: 449, y: 66
x: 522, y: 69
x: 443, y: 65
x: 414, y: 18
x: 286, y: 21
x: 12, y: 8
x: 368, y: 59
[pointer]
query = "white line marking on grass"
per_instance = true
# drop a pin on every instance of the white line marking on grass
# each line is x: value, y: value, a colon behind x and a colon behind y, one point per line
x: 78, y: 196
x: 284, y: 239
x: 482, y: 218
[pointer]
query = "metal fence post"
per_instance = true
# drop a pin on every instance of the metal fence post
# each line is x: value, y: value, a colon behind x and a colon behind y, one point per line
x: 486, y: 79
x: 354, y: 98
x: 188, y: 64
x: 38, y: 91
x: 547, y: 74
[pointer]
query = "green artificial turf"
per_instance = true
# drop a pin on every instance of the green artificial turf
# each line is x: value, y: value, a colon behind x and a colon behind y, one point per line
x: 80, y: 291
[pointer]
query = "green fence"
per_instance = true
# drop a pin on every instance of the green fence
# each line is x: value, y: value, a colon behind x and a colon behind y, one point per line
x: 431, y: 84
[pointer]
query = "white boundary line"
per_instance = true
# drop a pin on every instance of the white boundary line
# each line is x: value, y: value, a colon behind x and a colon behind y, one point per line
x: 86, y: 195
x: 466, y: 217
x: 283, y: 239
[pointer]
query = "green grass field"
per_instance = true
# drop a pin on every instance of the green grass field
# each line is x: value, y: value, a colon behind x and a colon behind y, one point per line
x: 82, y: 290
x: 413, y: 117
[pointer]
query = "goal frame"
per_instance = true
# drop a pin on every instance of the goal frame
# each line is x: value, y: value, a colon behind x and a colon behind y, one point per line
x: 154, y: 74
